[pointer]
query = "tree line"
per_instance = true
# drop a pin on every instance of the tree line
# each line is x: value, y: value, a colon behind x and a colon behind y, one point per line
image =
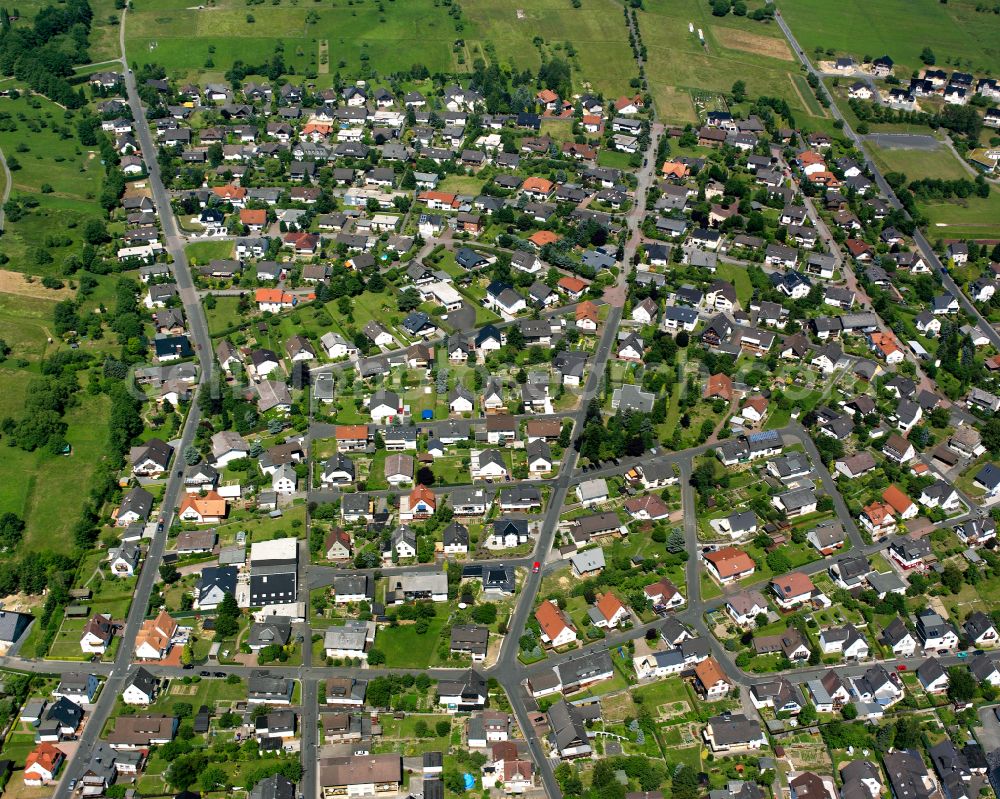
x: 43, y: 55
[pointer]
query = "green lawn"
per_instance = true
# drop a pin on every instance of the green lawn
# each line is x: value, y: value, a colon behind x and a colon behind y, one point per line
x: 224, y: 315
x: 661, y: 692
x: 461, y: 184
x: 613, y: 159
x: 405, y: 648
x: 205, y: 692
x: 201, y: 252
x: 17, y: 747
x: 261, y: 527
x: 737, y: 275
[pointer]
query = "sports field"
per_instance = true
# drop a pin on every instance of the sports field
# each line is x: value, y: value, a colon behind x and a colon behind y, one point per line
x: 955, y: 31
x: 964, y: 219
x: 378, y: 38
x: 973, y: 218
x: 917, y: 164
x: 680, y: 67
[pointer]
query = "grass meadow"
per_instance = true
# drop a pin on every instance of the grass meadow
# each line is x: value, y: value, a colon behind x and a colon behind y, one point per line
x: 955, y: 31
x: 680, y: 69
x: 178, y: 35
x: 202, y: 42
x: 62, y: 176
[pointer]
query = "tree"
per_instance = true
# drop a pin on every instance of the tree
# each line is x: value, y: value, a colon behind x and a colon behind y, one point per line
x: 927, y: 56
x: 213, y: 778
x: 454, y: 782
x: 684, y: 783
x: 739, y: 91
x: 169, y: 573
x: 778, y: 562
x: 11, y: 530
x: 485, y: 613
x: 95, y: 232
x: 420, y: 728
x: 376, y: 657
x: 951, y: 578
x: 442, y: 728
x: 379, y: 692
x: 908, y: 732
x: 191, y: 455
x: 227, y: 619
x: 961, y: 684
x: 675, y: 542
x: 408, y: 300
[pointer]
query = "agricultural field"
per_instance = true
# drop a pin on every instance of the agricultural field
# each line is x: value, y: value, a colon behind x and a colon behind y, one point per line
x: 684, y: 74
x: 29, y: 479
x: 971, y: 218
x: 956, y: 32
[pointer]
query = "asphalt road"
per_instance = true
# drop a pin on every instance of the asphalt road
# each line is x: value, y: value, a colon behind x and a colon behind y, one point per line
x: 508, y: 670
x: 199, y: 331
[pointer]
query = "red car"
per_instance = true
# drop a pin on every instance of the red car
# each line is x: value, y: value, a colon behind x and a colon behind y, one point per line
x: 901, y: 667
x: 535, y: 567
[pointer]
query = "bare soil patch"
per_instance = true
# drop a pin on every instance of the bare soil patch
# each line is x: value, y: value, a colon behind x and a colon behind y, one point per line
x: 671, y: 710
x: 749, y: 42
x: 808, y: 757
x: 618, y: 707
x: 18, y: 283
x: 22, y: 603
